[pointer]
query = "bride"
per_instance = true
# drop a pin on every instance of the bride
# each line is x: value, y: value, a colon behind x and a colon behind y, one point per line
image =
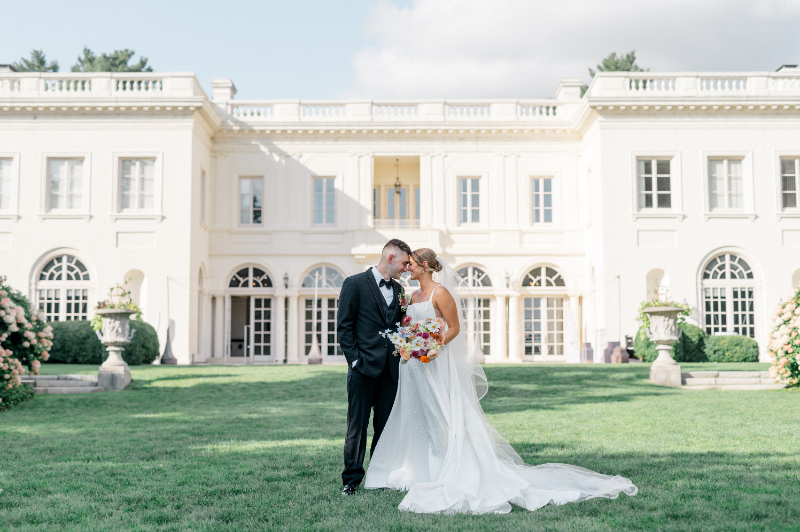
x: 438, y: 444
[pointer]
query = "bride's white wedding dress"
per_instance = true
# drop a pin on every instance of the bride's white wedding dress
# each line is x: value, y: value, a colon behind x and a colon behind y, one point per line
x: 438, y: 445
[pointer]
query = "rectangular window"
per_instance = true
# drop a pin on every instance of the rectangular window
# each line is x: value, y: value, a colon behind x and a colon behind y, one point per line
x: 136, y: 184
x: 324, y: 201
x: 469, y: 200
x: 326, y: 326
x: 5, y: 184
x: 790, y: 172
x: 543, y: 320
x: 655, y: 191
x: 397, y: 203
x: 64, y: 184
x: 376, y: 203
x: 416, y: 203
x: 203, y: 196
x: 542, y: 200
x: 250, y: 195
x: 725, y: 184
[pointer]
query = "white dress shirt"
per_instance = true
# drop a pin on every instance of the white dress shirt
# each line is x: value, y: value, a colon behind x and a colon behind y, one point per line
x: 386, y: 291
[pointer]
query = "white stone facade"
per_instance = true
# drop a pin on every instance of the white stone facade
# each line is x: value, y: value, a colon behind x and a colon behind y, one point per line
x: 648, y: 177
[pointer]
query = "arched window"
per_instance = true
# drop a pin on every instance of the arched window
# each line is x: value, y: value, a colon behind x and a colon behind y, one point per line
x: 729, y: 296
x: 329, y: 277
x: 250, y: 277
x: 62, y: 289
x: 328, y: 284
x: 475, y: 277
x: 542, y: 276
x: 543, y: 315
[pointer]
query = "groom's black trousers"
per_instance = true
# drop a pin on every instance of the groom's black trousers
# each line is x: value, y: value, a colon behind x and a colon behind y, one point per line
x: 364, y: 393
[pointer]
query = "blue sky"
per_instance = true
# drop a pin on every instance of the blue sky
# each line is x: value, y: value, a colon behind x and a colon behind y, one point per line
x: 407, y: 48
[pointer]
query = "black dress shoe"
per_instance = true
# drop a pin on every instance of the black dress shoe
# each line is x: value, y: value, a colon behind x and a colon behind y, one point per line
x: 349, y: 489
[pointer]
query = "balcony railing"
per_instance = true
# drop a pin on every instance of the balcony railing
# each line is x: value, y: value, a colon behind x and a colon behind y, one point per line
x: 94, y: 85
x: 430, y: 113
x: 696, y: 84
x: 383, y: 223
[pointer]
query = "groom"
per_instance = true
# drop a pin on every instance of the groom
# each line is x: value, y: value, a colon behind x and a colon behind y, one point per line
x: 368, y: 305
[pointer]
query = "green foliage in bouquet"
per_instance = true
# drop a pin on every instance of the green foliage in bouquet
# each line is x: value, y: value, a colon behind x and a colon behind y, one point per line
x: 75, y: 342
x: 690, y: 347
x: 784, y: 343
x: 731, y: 349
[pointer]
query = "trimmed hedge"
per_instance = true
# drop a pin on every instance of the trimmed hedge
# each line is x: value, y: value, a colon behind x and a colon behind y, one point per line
x: 75, y: 342
x: 15, y: 396
x: 689, y: 348
x: 731, y: 349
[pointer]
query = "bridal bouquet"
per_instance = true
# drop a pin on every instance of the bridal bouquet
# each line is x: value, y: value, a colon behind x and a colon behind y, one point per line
x: 421, y: 340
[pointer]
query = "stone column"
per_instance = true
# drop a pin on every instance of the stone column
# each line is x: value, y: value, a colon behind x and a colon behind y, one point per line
x: 572, y: 335
x: 499, y: 348
x: 279, y: 325
x: 293, y: 356
x: 514, y: 330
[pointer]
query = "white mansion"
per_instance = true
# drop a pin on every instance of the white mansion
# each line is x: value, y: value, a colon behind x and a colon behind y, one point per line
x: 563, y: 213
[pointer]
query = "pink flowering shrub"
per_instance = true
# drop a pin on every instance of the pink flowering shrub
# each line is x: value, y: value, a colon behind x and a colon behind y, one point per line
x: 23, y: 329
x: 785, y: 341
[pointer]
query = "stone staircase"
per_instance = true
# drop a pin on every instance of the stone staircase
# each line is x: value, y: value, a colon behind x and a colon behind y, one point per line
x: 61, y: 384
x: 728, y: 380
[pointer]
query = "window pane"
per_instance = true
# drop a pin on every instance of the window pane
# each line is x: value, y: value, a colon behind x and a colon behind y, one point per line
x: 146, y: 184
x: 416, y: 202
x: 126, y: 186
x: 548, y: 185
x: 257, y: 184
x: 716, y: 184
x: 75, y: 184
x: 56, y: 183
x: 787, y: 166
x: 403, y: 203
x: 330, y: 206
x: 664, y: 201
x: 662, y: 167
x: 390, y: 205
x: 735, y: 193
x: 376, y: 202
x: 5, y: 183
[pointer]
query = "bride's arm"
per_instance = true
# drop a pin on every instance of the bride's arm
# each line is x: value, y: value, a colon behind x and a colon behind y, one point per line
x: 447, y: 306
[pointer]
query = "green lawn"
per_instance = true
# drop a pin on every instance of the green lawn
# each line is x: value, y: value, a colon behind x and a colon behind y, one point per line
x: 234, y: 448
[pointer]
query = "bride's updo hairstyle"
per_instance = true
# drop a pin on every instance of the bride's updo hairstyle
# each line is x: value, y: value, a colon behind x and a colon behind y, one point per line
x: 423, y: 255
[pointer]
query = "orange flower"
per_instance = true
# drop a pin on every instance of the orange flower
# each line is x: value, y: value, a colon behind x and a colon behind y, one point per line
x: 424, y: 359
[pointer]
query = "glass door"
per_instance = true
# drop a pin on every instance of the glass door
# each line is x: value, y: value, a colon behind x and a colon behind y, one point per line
x: 260, y: 344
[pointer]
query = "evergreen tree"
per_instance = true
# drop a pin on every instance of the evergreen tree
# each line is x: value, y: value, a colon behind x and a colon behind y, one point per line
x: 117, y: 61
x: 616, y: 63
x: 37, y: 63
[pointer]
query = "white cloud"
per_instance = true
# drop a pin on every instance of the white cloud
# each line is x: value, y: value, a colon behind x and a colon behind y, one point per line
x: 523, y: 48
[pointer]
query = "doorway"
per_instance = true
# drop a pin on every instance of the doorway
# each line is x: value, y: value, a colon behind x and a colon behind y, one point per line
x: 251, y: 328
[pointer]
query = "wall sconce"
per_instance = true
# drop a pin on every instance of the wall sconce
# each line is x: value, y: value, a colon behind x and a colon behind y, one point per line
x: 286, y: 280
x: 508, y: 279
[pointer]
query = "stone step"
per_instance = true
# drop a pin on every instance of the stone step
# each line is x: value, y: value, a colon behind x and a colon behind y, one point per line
x: 64, y: 384
x: 773, y: 386
x: 50, y: 390
x: 43, y: 378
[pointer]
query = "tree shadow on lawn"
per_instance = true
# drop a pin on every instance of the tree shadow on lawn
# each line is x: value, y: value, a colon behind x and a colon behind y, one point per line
x: 267, y: 455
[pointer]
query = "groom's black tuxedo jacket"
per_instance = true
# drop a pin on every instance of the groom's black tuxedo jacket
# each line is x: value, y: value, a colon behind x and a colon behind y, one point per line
x: 363, y: 314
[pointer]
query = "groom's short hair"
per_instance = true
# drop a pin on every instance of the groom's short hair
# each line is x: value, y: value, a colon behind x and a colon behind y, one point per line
x: 395, y: 245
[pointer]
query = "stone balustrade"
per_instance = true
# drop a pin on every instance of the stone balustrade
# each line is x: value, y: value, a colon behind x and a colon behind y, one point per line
x: 425, y: 111
x: 43, y: 86
x: 633, y: 85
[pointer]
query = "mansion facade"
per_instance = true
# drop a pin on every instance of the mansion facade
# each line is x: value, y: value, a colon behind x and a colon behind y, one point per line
x: 226, y: 218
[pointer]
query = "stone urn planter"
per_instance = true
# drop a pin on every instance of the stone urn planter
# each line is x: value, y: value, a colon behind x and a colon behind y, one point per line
x: 116, y: 333
x: 664, y: 332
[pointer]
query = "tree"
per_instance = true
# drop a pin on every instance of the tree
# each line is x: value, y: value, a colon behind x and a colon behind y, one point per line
x: 616, y: 63
x: 117, y: 61
x: 37, y: 63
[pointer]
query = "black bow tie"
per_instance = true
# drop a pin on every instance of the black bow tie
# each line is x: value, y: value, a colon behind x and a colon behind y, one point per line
x: 384, y: 282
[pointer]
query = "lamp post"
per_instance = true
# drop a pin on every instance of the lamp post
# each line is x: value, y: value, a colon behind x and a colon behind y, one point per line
x: 314, y: 356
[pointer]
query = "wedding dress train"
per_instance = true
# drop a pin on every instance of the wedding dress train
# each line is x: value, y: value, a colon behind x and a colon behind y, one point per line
x: 438, y: 445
